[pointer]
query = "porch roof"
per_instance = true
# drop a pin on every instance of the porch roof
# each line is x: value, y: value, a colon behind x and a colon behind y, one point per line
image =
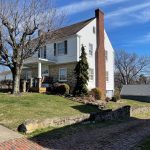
x: 32, y: 62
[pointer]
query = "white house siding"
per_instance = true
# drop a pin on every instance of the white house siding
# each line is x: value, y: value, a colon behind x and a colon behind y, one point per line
x: 109, y: 67
x: 71, y: 55
x: 86, y: 36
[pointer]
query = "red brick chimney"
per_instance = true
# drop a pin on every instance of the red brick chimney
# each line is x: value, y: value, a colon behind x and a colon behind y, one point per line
x: 100, y: 53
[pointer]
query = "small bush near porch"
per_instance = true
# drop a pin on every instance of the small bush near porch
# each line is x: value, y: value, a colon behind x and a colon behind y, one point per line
x: 16, y: 109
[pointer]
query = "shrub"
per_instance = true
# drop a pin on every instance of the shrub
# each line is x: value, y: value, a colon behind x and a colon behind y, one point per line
x: 114, y: 99
x: 61, y: 88
x: 116, y: 96
x: 107, y: 99
x: 96, y: 93
x: 64, y: 89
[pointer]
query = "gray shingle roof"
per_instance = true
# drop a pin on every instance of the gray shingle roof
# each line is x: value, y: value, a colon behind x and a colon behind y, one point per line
x: 135, y: 90
x: 68, y: 30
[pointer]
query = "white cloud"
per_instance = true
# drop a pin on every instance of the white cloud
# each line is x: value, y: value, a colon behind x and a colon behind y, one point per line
x: 130, y: 15
x: 143, y: 39
x: 143, y: 16
x: 133, y: 14
x: 127, y: 10
x: 86, y: 5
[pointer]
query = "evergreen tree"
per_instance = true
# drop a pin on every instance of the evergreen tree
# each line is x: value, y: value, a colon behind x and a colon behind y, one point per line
x: 81, y: 72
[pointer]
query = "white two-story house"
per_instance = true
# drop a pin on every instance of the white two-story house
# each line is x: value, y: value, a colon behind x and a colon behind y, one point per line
x: 58, y: 58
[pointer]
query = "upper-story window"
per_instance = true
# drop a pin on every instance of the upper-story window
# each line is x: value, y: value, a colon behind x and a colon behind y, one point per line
x: 60, y: 48
x: 106, y: 55
x: 94, y: 29
x: 90, y: 49
x: 62, y: 74
x: 107, y: 76
x: 91, y: 74
x: 42, y: 52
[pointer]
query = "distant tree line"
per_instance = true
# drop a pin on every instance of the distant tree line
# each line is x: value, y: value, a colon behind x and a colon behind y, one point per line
x: 131, y: 69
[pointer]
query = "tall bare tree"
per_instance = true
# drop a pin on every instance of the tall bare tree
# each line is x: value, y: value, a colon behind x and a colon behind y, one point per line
x: 129, y: 66
x: 20, y: 21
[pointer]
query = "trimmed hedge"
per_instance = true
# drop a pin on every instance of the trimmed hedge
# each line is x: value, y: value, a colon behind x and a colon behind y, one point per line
x: 96, y: 93
x: 61, y: 88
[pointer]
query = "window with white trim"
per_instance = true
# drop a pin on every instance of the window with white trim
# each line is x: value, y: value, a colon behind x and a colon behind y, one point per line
x: 90, y: 49
x: 107, y: 76
x: 61, y: 48
x: 91, y: 74
x: 42, y: 52
x: 62, y: 74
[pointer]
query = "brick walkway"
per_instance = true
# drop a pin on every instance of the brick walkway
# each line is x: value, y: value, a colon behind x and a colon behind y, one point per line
x: 20, y: 144
x: 10, y: 140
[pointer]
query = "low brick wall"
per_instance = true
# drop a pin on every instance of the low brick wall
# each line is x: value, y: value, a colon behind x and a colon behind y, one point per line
x: 105, y: 115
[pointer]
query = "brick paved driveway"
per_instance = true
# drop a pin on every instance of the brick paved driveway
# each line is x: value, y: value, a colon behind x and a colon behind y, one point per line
x: 122, y: 136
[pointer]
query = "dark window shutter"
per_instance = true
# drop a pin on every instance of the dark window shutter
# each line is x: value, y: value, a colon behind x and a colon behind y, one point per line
x: 39, y: 53
x: 54, y: 49
x: 44, y: 51
x: 66, y: 50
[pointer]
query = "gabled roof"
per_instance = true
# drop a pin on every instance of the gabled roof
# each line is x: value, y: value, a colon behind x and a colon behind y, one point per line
x: 135, y: 90
x: 68, y: 30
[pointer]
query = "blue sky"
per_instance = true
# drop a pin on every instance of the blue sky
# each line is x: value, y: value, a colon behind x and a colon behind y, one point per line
x: 127, y: 22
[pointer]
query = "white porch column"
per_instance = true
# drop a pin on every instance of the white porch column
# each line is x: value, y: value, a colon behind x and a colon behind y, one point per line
x: 39, y: 70
x: 39, y: 74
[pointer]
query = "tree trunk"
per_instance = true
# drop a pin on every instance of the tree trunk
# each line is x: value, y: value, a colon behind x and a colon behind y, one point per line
x: 16, y: 73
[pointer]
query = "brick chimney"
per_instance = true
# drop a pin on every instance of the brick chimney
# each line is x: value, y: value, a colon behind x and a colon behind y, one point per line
x: 100, y: 53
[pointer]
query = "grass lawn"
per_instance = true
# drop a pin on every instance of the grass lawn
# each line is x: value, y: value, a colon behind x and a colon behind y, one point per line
x: 123, y: 102
x: 16, y: 109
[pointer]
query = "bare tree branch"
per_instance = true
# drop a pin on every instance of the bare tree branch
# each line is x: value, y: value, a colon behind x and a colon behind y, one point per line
x: 20, y: 21
x: 129, y: 66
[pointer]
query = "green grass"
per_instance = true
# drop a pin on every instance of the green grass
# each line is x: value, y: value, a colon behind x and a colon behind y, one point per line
x: 14, y: 110
x: 123, y: 102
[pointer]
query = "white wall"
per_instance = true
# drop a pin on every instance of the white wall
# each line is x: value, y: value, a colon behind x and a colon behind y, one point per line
x: 86, y: 36
x: 71, y: 55
x: 109, y: 66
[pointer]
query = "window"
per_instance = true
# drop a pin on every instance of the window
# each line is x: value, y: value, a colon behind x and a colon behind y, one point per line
x: 91, y: 74
x: 106, y: 55
x: 90, y: 49
x: 94, y: 30
x: 107, y: 76
x: 61, y: 48
x: 42, y: 52
x: 63, y: 74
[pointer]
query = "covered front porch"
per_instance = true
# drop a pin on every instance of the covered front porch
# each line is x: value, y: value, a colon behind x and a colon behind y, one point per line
x: 36, y: 73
